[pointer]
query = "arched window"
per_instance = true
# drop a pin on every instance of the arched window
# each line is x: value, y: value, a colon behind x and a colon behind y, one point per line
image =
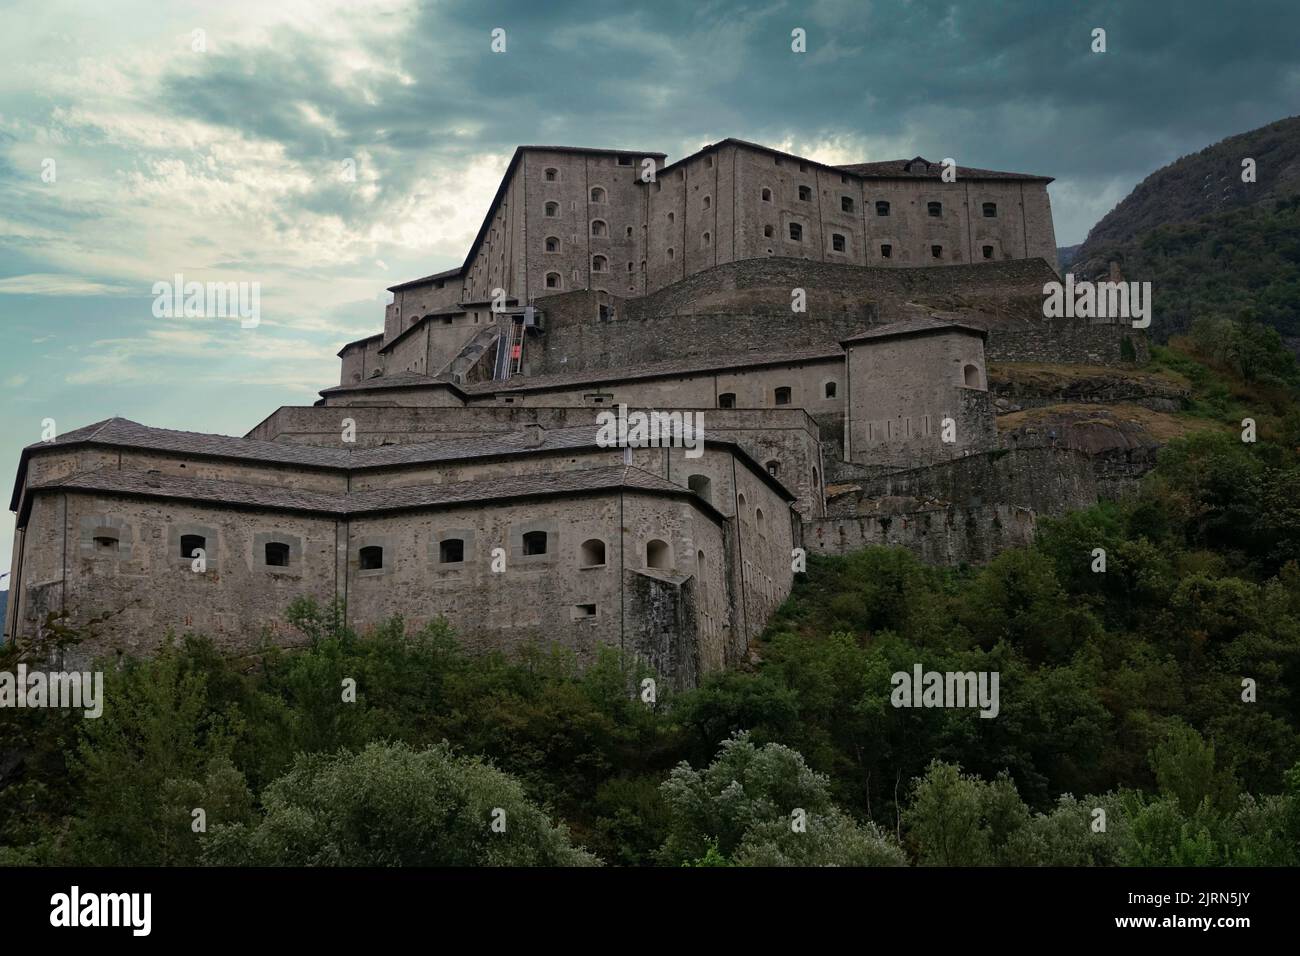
x: 773, y: 467
x: 830, y: 389
x: 760, y: 522
x: 990, y: 210
x: 934, y: 208
x: 936, y: 252
x: 277, y: 554
x: 768, y: 232
x: 597, y: 194
x: 805, y: 194
x: 371, y: 558
x: 534, y: 542
x: 552, y: 280
x: 592, y: 554
x: 886, y: 250
x: 451, y: 551
x: 987, y: 251
x: 706, y: 239
x: 740, y: 501
x: 552, y: 209
x: 656, y: 554
x: 671, y: 217
x: 191, y: 543
x: 552, y: 244
x: 599, y: 263
x: 552, y: 175
x: 671, y: 254
x: 599, y: 228
x: 767, y: 195
x: 702, y: 486
x: 816, y: 479
x: 971, y: 375
x: 727, y: 400
x: 882, y: 207
x: 783, y: 395
x: 105, y: 542
x: 708, y: 201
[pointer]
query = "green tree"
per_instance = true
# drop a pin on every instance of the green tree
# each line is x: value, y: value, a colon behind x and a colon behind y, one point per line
x: 392, y: 805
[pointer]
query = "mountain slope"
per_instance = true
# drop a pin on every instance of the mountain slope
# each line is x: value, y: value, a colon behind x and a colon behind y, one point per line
x: 1211, y: 245
x: 1204, y: 183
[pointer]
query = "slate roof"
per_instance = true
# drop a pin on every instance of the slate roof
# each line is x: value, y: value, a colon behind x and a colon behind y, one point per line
x: 912, y: 327
x: 920, y: 168
x: 124, y: 433
x: 396, y: 380
x: 656, y: 370
x: 279, y: 498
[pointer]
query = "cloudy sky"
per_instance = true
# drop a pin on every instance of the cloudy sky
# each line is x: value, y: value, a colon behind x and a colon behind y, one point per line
x: 133, y: 148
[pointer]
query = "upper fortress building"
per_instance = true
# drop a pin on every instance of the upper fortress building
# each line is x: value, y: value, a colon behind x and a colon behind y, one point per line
x: 454, y: 471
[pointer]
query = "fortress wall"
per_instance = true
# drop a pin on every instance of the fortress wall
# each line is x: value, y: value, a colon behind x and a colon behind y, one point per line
x: 216, y: 469
x: 531, y: 600
x: 445, y: 473
x: 901, y: 389
x: 359, y: 359
x: 576, y: 338
x: 1070, y: 341
x: 764, y: 542
x: 148, y: 589
x: 763, y: 285
x: 787, y: 435
x: 319, y: 425
x: 699, y: 627
x: 410, y: 303
x: 1047, y: 480
x: 418, y: 396
x: 948, y: 535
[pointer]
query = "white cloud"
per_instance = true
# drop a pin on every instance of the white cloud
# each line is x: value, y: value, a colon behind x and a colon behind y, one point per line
x: 48, y: 283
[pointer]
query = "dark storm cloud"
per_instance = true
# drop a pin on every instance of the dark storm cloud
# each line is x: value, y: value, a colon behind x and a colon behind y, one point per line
x: 1008, y: 84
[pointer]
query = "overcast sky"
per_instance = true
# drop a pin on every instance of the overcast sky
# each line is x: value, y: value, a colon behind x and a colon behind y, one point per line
x: 224, y: 164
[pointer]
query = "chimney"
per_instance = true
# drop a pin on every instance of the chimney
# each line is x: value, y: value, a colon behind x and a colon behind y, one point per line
x: 534, y: 435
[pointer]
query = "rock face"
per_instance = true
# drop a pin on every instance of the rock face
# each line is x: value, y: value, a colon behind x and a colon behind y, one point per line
x: 1017, y: 387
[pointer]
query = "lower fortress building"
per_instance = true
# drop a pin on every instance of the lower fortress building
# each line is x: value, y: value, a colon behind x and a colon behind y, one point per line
x: 457, y: 471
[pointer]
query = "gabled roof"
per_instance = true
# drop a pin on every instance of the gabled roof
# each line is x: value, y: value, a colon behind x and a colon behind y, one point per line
x: 915, y: 168
x: 123, y: 433
x: 920, y: 168
x: 379, y: 500
x: 395, y: 380
x: 501, y: 189
x: 922, y: 326
x: 368, y: 338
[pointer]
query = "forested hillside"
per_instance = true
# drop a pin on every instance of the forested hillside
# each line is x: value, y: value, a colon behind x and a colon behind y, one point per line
x: 1211, y: 244
x: 1124, y: 697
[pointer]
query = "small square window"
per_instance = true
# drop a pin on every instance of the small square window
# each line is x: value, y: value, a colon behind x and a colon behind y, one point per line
x: 846, y: 204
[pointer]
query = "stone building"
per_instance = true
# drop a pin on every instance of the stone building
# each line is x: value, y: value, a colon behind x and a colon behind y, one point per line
x: 458, y: 471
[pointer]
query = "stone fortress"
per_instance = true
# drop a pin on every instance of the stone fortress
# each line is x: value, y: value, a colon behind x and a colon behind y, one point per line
x: 455, y: 471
